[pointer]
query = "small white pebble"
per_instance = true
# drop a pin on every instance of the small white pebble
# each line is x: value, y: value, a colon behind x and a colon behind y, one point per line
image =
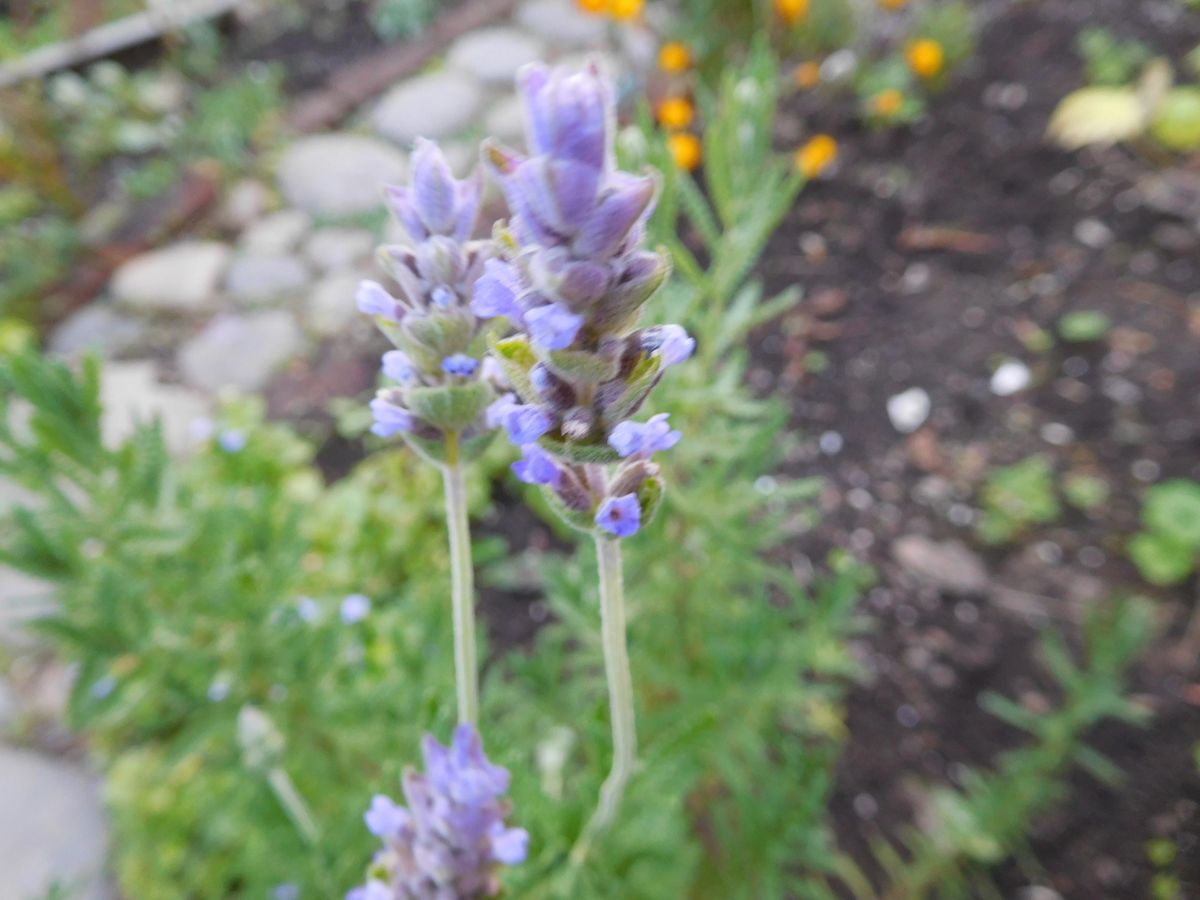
x: 1011, y: 377
x: 909, y: 410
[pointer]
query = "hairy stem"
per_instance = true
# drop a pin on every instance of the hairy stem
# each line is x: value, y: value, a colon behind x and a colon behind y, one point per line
x: 620, y: 682
x: 462, y: 576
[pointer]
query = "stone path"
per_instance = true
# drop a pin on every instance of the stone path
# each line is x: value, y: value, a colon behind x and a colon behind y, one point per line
x: 253, y: 292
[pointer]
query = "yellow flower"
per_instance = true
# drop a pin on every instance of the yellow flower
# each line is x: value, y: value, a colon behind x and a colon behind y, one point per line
x: 676, y: 113
x: 595, y: 7
x: 887, y: 103
x: 893, y: 4
x: 816, y: 156
x: 625, y: 9
x: 791, y: 11
x: 686, y: 149
x: 674, y: 56
x: 807, y: 75
x: 926, y: 57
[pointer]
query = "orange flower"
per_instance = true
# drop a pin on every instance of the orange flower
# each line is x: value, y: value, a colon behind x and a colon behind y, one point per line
x: 595, y: 7
x: 816, y: 156
x: 625, y: 9
x: 676, y: 113
x: 686, y: 149
x: 674, y: 56
x: 926, y: 57
x: 888, y: 103
x: 791, y: 11
x: 893, y: 4
x: 807, y: 75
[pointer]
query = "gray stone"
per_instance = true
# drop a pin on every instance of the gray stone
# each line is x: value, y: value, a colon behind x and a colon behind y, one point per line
x: 246, y: 201
x: 506, y: 121
x: 331, y: 307
x: 949, y: 565
x: 52, y: 828
x: 338, y: 175
x: 330, y: 249
x: 561, y: 23
x: 240, y: 351
x: 180, y: 277
x: 130, y: 393
x: 493, y: 55
x: 256, y: 278
x: 436, y: 105
x: 280, y: 232
x: 97, y: 328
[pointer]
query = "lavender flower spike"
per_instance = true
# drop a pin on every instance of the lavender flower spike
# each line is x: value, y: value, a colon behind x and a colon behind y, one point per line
x: 442, y: 393
x: 451, y: 839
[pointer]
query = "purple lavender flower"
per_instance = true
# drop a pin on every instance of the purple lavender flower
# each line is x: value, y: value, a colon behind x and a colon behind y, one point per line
x: 232, y: 440
x: 374, y: 300
x: 386, y: 819
x: 536, y: 466
x: 572, y: 281
x: 620, y: 516
x: 460, y: 364
x: 451, y: 838
x: 390, y: 419
x: 355, y: 608
x: 525, y: 424
x: 428, y: 315
x: 398, y: 366
x: 672, y: 344
x: 644, y: 439
x: 496, y: 292
x: 554, y: 326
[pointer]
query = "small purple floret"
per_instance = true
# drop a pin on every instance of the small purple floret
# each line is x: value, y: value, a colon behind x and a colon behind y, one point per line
x: 390, y: 419
x: 644, y: 439
x: 460, y: 364
x: 553, y: 327
x: 536, y: 466
x: 525, y: 424
x: 620, y: 516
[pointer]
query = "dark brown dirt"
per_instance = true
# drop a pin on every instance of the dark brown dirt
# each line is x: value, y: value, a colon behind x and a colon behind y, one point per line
x: 926, y: 258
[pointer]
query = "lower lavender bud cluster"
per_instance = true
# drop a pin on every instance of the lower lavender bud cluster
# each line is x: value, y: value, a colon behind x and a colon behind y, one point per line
x: 450, y: 840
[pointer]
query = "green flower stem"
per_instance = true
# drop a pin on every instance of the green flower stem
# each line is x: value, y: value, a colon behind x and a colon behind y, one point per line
x: 289, y: 798
x: 620, y: 682
x: 462, y: 576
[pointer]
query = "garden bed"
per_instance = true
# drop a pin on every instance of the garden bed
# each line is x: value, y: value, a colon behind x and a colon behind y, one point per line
x: 927, y: 261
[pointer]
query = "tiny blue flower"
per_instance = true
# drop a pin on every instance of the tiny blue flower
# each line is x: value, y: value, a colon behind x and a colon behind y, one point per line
x: 460, y: 364
x: 554, y: 326
x: 103, y: 687
x: 442, y: 296
x: 537, y: 467
x: 620, y: 516
x: 287, y: 891
x: 374, y: 300
x: 308, y: 609
x: 398, y: 366
x: 510, y: 846
x: 643, y: 439
x: 232, y: 440
x: 496, y: 292
x: 390, y: 419
x: 526, y: 424
x: 675, y: 346
x: 355, y: 608
x: 499, y: 408
x: 386, y: 819
x: 201, y: 429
